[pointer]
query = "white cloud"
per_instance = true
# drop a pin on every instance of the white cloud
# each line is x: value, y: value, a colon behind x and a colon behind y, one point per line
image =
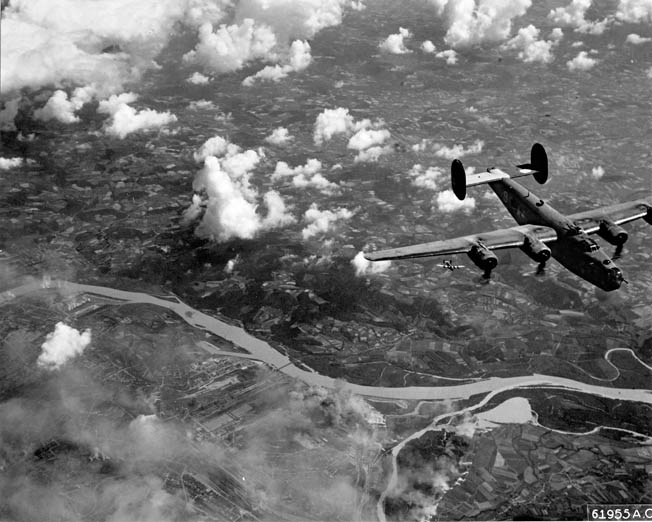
x: 230, y: 47
x: 372, y: 154
x: 395, y: 43
x: 369, y: 142
x: 283, y: 170
x: 573, y: 16
x: 365, y: 267
x: 448, y: 202
x: 321, y: 221
x: 449, y: 55
x: 425, y: 178
x: 228, y: 196
x: 331, y: 122
x: 649, y: 72
x: 450, y: 153
x: 299, y: 58
x: 200, y: 105
x: 636, y: 39
x: 530, y: 48
x: 263, y: 31
x: 634, y: 11
x: 472, y: 22
x: 60, y: 108
x: 10, y: 163
x: 368, y: 137
x: 357, y: 5
x: 198, y: 78
x: 597, y: 172
x: 365, y: 138
x: 279, y: 136
x: 428, y: 47
x: 582, y: 62
x: 61, y: 345
x: 63, y: 42
x: 317, y: 181
x: 124, y: 120
x: 215, y: 146
x: 305, y: 176
x: 293, y: 18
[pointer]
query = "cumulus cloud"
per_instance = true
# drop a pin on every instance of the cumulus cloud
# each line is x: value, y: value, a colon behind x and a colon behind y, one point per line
x: 200, y: 105
x: 279, y: 136
x: 283, y: 170
x: 230, y: 47
x: 103, y: 43
x: 198, y: 78
x: 62, y: 109
x: 449, y: 55
x: 634, y: 11
x: 370, y: 144
x: 450, y: 153
x: 365, y: 267
x: 291, y: 19
x: 215, y: 146
x: 471, y: 22
x: 428, y: 47
x: 573, y: 16
x: 582, y: 62
x: 447, y: 202
x: 61, y: 345
x: 229, y: 199
x: 331, y: 122
x: 10, y: 163
x: 425, y: 178
x: 299, y: 59
x: 263, y: 30
x: 636, y: 39
x: 321, y: 221
x: 597, y: 172
x: 530, y: 48
x: 305, y: 176
x: 395, y: 43
x: 367, y: 137
x: 124, y: 119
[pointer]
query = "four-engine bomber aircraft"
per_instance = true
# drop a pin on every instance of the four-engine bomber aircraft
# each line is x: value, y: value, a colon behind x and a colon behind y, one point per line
x: 542, y: 232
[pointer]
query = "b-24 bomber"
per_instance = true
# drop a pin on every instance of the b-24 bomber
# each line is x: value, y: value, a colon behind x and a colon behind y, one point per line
x: 542, y: 232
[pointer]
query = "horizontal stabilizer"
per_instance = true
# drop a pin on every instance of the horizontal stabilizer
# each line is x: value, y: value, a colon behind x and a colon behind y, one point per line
x: 538, y: 168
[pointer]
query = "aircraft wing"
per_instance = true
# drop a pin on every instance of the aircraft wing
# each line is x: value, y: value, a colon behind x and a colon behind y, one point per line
x: 497, y: 239
x: 619, y: 214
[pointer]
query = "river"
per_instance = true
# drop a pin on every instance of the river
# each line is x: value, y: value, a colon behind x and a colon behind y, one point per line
x: 264, y: 352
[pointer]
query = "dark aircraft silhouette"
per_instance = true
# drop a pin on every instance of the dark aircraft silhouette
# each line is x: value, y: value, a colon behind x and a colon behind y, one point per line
x: 542, y: 232
x: 449, y: 265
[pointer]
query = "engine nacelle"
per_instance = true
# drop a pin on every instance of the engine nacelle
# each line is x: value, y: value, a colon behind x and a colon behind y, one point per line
x: 483, y: 257
x: 612, y: 233
x: 648, y: 216
x: 536, y: 249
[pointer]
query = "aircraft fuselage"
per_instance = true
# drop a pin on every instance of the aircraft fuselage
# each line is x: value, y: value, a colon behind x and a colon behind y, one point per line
x: 574, y: 249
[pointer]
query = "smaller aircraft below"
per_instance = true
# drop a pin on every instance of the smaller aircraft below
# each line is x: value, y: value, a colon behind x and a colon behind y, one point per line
x: 449, y: 265
x: 542, y: 232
